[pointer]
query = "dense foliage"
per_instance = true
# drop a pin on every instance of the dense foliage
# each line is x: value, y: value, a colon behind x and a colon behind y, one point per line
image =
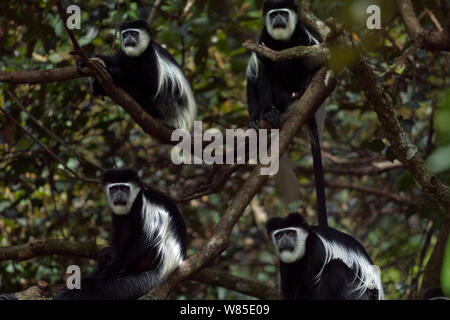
x: 370, y: 194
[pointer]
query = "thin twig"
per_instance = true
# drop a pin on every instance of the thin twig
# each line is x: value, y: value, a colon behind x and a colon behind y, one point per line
x: 401, y: 59
x: 188, y: 6
x: 433, y: 18
x: 117, y: 27
x: 41, y: 145
x: 39, y: 123
x: 155, y: 7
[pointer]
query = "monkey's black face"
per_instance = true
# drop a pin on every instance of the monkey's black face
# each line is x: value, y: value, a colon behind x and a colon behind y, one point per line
x: 279, y: 18
x: 289, y: 243
x: 130, y: 38
x: 288, y: 235
x: 134, y: 41
x: 281, y: 23
x: 285, y: 240
x: 119, y: 194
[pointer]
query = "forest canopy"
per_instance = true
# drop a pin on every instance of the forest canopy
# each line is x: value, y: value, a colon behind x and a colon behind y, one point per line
x: 385, y: 149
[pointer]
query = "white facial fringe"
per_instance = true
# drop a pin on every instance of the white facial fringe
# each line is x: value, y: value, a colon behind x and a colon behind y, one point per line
x: 122, y: 210
x: 283, y: 34
x: 144, y: 39
x: 365, y: 273
x: 299, y: 251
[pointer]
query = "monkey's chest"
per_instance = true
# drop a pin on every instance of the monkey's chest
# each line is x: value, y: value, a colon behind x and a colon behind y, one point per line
x: 289, y: 76
x: 139, y: 80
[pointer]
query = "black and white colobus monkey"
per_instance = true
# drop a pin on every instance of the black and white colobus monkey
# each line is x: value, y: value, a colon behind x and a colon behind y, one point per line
x: 273, y: 87
x: 148, y: 242
x: 321, y: 263
x: 150, y: 75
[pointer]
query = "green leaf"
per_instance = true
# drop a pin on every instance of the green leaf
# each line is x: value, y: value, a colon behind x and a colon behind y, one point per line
x: 376, y: 145
x: 445, y: 270
x: 23, y: 144
x: 439, y: 160
x: 412, y: 104
x: 390, y: 155
x: 405, y: 182
x: 400, y: 68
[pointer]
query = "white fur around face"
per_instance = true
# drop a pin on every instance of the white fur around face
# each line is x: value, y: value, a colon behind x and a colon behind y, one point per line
x: 170, y: 73
x: 283, y: 34
x: 159, y: 233
x: 366, y: 275
x: 122, y: 210
x: 299, y: 251
x: 144, y: 39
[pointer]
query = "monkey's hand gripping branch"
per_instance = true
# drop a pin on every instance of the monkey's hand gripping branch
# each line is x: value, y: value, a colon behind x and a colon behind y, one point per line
x: 117, y: 94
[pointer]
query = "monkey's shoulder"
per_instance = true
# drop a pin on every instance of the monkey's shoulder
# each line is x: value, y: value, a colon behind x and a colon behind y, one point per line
x: 321, y: 236
x: 161, y: 200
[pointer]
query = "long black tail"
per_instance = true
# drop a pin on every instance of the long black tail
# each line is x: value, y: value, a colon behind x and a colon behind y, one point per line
x: 318, y: 172
x: 115, y: 287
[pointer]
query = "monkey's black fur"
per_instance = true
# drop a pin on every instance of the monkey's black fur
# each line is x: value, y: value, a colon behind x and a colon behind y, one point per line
x: 137, y: 260
x: 273, y: 86
x: 337, y: 281
x: 140, y: 76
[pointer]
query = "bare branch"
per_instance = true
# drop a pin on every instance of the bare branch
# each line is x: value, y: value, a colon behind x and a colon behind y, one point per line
x: 406, y: 152
x: 364, y: 189
x: 317, y: 92
x: 40, y: 125
x: 375, y: 168
x: 36, y: 248
x: 155, y: 7
x: 310, y: 19
x: 428, y: 39
x: 432, y: 274
x: 319, y: 50
x: 118, y: 95
x: 40, y: 76
x: 46, y: 149
x: 239, y: 284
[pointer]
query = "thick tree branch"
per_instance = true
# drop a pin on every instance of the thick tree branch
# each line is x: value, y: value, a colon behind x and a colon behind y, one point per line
x: 239, y: 284
x: 428, y: 39
x: 432, y: 274
x: 36, y: 248
x: 310, y: 19
x: 314, y: 96
x: 40, y: 76
x: 319, y: 50
x: 118, y: 95
x: 406, y: 152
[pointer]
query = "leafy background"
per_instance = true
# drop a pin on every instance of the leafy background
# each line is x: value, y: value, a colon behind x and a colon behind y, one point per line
x: 382, y: 208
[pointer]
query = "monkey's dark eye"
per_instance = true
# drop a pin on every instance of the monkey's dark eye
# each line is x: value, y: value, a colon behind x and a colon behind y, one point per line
x: 134, y: 33
x: 278, y: 235
x: 120, y: 188
x: 291, y: 233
